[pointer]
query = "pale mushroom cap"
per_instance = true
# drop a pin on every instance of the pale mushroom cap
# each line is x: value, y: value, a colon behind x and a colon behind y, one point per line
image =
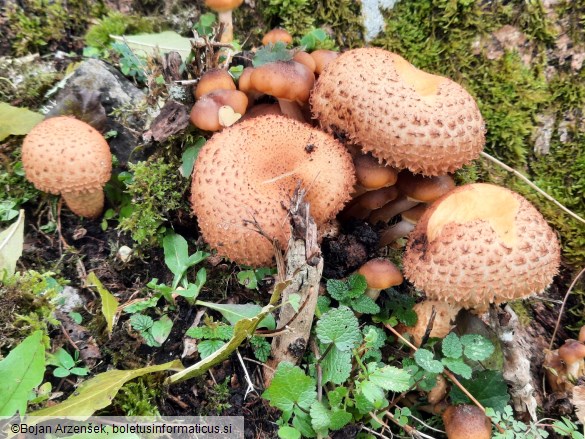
x: 466, y: 421
x: 287, y: 80
x: 205, y: 113
x: 444, y: 319
x: 277, y: 35
x: 380, y: 274
x: 249, y: 171
x: 572, y: 351
x: 402, y: 115
x: 424, y: 189
x: 223, y: 5
x: 322, y: 57
x: 63, y: 154
x: 479, y: 244
x: 306, y: 59
x: 212, y: 80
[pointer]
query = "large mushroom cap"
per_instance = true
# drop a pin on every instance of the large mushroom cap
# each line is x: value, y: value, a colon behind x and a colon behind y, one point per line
x: 402, y: 115
x: 481, y: 243
x: 63, y: 154
x: 248, y: 172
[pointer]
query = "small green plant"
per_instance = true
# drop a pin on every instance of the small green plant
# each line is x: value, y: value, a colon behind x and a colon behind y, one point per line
x: 211, y: 336
x: 250, y: 278
x: 350, y: 293
x: 178, y: 260
x: 66, y: 364
x: 271, y: 53
x: 317, y: 39
x: 130, y: 63
x: 15, y: 191
x: 514, y: 429
x: 139, y: 397
x: 205, y: 24
x: 153, y: 332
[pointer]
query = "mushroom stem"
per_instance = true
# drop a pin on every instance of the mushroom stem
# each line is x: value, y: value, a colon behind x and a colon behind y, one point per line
x: 87, y: 204
x: 227, y: 34
x: 391, y: 209
x: 397, y: 231
x: 291, y: 109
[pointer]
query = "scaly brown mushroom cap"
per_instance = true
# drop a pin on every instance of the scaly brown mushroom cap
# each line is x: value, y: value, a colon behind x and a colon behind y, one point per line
x: 481, y: 243
x: 63, y: 155
x: 402, y: 115
x: 248, y: 172
x: 466, y: 421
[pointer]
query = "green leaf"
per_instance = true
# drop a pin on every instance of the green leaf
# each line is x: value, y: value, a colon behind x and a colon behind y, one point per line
x: 176, y: 256
x: 261, y: 348
x: 424, y: 358
x: 16, y: 121
x: 374, y: 336
x: 290, y: 386
x: 61, y: 372
x: 192, y: 291
x: 336, y: 367
x: 365, y: 305
x: 142, y: 304
x: 161, y: 329
x: 320, y: 417
x: 302, y: 422
x: 372, y: 392
x: 336, y: 396
x: 11, y: 244
x: 64, y: 359
x: 476, y: 347
x: 294, y: 299
x: 451, y: 346
x: 21, y: 371
x: 337, y: 289
x: 147, y: 44
x: 109, y: 302
x: 356, y: 285
x: 140, y: 322
x: 272, y: 53
x: 457, y: 366
x: 339, y: 419
x: 288, y: 432
x: 340, y: 327
x: 208, y: 347
x: 391, y: 378
x: 76, y: 317
x: 311, y: 40
x: 248, y: 279
x: 234, y: 313
x: 189, y: 156
x: 79, y: 371
x: 205, y: 24
x: 487, y: 386
x: 99, y: 391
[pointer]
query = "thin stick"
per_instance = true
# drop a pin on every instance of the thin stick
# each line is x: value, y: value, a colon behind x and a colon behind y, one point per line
x: 554, y: 334
x: 250, y: 387
x: 532, y: 185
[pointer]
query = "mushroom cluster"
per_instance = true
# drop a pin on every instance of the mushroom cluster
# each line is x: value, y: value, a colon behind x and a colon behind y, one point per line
x: 63, y: 155
x: 244, y: 177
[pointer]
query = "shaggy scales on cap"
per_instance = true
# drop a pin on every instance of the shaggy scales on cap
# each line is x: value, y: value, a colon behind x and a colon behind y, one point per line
x: 249, y: 171
x: 481, y: 243
x: 63, y: 155
x: 402, y: 115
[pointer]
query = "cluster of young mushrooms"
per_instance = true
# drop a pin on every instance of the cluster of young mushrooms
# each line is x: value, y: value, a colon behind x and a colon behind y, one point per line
x: 369, y: 136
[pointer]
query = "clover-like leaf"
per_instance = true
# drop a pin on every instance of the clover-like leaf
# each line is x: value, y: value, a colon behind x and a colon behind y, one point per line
x: 424, y: 358
x: 457, y: 366
x: 290, y: 386
x: 339, y: 326
x: 451, y: 346
x: 476, y: 347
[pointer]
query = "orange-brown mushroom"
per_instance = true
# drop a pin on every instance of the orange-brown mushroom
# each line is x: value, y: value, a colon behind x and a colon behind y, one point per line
x: 371, y: 175
x: 466, y: 421
x: 247, y: 173
x: 224, y: 10
x: 63, y: 155
x: 380, y: 274
x: 206, y: 112
x: 404, y: 227
x: 277, y: 35
x: 402, y: 115
x: 306, y: 59
x: 322, y: 57
x: 212, y: 80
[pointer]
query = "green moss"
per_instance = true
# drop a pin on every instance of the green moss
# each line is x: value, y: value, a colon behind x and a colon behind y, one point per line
x: 43, y: 26
x: 447, y: 37
x: 15, y: 189
x: 115, y: 23
x: 139, y: 397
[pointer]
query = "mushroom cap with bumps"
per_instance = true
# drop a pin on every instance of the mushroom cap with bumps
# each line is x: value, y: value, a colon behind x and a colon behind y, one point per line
x: 481, y: 243
x: 402, y: 115
x: 63, y: 155
x: 248, y: 173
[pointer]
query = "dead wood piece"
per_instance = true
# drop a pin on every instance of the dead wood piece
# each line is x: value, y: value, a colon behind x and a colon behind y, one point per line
x: 173, y: 118
x: 304, y: 266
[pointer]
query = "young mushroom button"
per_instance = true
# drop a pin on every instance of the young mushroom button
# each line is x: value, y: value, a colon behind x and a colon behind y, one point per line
x: 245, y: 175
x: 466, y: 422
x: 380, y: 274
x: 212, y: 80
x: 63, y: 155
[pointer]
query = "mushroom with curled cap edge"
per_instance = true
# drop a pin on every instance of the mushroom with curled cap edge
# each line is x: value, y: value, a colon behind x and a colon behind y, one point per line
x: 224, y: 10
x: 404, y: 227
x: 63, y: 155
x: 380, y: 274
x: 288, y: 81
x: 404, y: 116
x: 372, y: 175
x: 248, y: 172
x: 466, y: 421
x: 206, y: 113
x: 481, y: 244
x: 212, y: 80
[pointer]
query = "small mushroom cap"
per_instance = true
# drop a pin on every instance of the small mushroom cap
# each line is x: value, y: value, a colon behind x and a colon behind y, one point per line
x: 244, y: 83
x: 277, y: 35
x: 444, y: 319
x: 288, y: 80
x: 372, y: 175
x: 375, y: 199
x: 481, y: 243
x: 466, y: 421
x: 223, y: 5
x: 63, y: 154
x: 414, y: 215
x: 205, y: 112
x: 248, y: 172
x: 380, y: 274
x: 572, y: 351
x: 212, y: 80
x: 306, y: 59
x: 402, y: 115
x: 424, y: 189
x: 323, y: 57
